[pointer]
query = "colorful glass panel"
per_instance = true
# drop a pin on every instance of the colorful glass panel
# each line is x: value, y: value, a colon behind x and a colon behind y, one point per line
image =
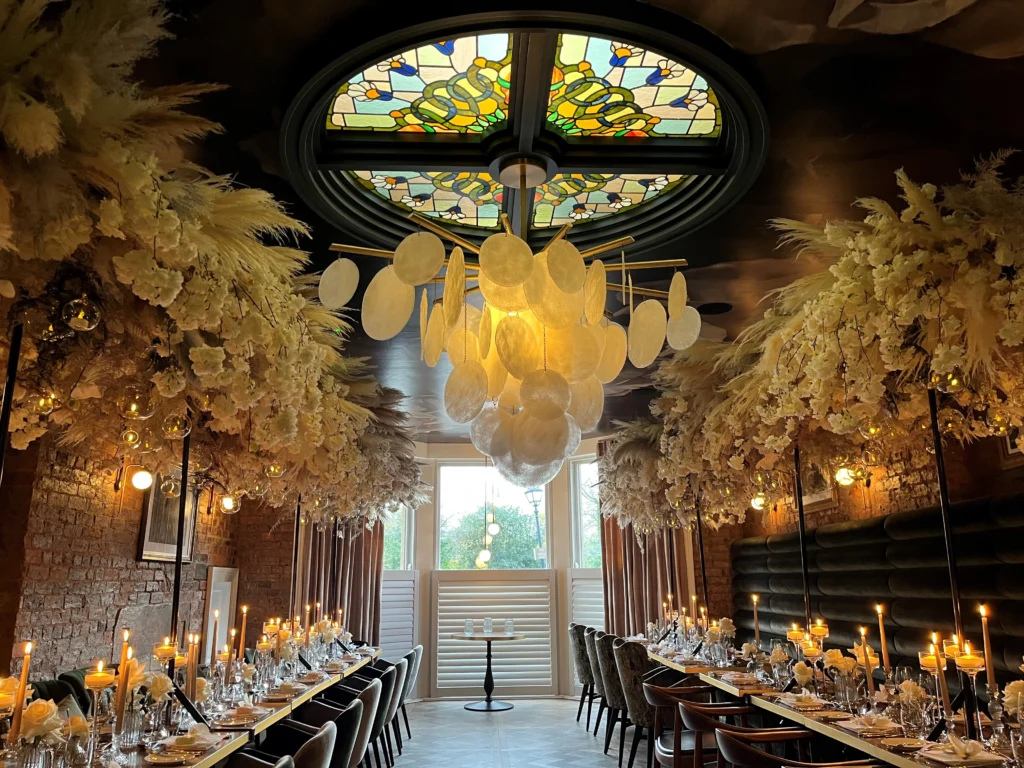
x: 451, y: 86
x: 604, y: 87
x: 471, y: 199
x: 582, y: 197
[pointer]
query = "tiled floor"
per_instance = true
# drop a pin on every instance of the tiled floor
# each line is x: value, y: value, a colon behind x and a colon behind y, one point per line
x: 538, y: 733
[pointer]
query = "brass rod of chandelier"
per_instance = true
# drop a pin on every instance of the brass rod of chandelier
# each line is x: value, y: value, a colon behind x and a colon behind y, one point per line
x: 647, y: 265
x: 609, y: 246
x: 523, y: 231
x: 467, y: 293
x: 559, y: 234
x: 359, y: 250
x: 440, y: 231
x: 641, y: 291
x: 505, y: 223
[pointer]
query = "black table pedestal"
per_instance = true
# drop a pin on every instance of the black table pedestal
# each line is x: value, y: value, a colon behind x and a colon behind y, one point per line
x: 489, y: 704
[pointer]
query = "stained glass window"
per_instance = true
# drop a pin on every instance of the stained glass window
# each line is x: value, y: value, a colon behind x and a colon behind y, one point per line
x: 604, y: 87
x: 580, y: 197
x: 451, y: 86
x: 472, y: 199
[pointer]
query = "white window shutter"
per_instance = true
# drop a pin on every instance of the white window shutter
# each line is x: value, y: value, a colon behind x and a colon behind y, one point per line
x: 398, y: 613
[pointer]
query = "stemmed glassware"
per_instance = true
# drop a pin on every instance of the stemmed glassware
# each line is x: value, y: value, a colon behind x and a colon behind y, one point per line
x: 970, y: 665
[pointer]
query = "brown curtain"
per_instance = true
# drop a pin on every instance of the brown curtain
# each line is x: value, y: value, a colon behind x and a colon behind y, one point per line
x: 357, y: 576
x: 638, y: 579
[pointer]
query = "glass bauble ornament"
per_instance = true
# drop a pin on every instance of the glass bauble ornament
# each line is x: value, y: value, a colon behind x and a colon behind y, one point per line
x: 148, y: 442
x: 81, y: 314
x: 170, y: 487
x: 258, y: 489
x: 273, y: 470
x: 43, y: 404
x: 135, y: 402
x: 130, y: 437
x: 176, y: 426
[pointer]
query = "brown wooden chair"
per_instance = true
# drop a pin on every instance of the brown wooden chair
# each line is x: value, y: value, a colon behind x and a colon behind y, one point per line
x: 703, y: 720
x: 670, y: 749
x: 737, y: 749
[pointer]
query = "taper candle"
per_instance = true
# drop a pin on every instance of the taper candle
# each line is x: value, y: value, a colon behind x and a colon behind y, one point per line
x: 121, y: 694
x: 307, y: 624
x: 693, y: 606
x: 990, y: 671
x: 231, y: 643
x: 213, y: 645
x: 881, y: 638
x: 241, y: 636
x: 19, y: 700
x: 317, y: 613
x: 757, y: 627
x: 865, y: 650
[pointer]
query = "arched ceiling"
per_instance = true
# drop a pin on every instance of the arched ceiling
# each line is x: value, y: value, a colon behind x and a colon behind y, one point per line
x: 847, y: 100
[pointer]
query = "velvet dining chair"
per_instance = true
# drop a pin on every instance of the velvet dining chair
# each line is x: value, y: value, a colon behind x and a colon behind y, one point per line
x: 613, y: 693
x: 346, y: 719
x: 341, y: 695
x: 308, y: 747
x: 590, y: 639
x: 584, y: 672
x: 413, y: 658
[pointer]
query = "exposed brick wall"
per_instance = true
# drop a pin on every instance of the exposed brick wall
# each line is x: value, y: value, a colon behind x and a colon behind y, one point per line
x: 971, y: 472
x: 265, y: 542
x: 80, y: 561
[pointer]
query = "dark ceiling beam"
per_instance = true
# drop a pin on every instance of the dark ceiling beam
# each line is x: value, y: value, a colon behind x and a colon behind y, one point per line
x: 532, y: 65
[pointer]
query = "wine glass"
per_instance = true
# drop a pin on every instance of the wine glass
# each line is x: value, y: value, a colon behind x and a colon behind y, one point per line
x: 970, y: 664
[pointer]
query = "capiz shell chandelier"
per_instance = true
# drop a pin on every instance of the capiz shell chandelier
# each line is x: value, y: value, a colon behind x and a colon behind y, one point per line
x: 530, y: 363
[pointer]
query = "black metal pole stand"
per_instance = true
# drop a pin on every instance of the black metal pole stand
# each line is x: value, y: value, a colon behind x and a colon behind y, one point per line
x: 178, y: 547
x: 488, y: 704
x: 295, y: 557
x: 798, y: 487
x: 947, y: 532
x: 17, y: 331
x: 703, y: 565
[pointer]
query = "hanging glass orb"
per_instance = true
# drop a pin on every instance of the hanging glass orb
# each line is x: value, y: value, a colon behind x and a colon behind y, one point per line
x: 870, y: 431
x: 43, y: 404
x: 199, y: 459
x: 81, y: 314
x: 488, y: 540
x: 494, y: 529
x: 148, y: 442
x: 170, y: 487
x: 948, y: 383
x: 273, y: 470
x: 130, y: 437
x: 998, y: 422
x: 229, y: 504
x: 951, y: 420
x: 303, y: 519
x: 485, y: 555
x: 134, y: 402
x: 759, y: 502
x: 176, y: 426
x: 258, y: 489
x: 53, y: 333
x: 318, y: 504
x: 845, y: 476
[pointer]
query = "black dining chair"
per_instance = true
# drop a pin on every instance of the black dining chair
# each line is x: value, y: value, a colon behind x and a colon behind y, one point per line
x: 347, y: 720
x: 341, y: 696
x: 307, y: 746
x: 351, y: 689
x: 248, y: 760
x: 590, y: 638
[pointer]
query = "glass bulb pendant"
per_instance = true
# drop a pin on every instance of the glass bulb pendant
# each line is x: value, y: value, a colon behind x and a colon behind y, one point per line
x: 43, y: 404
x: 147, y: 442
x: 273, y: 470
x: 81, y: 314
x: 170, y: 488
x: 177, y: 426
x: 134, y: 402
x: 130, y: 437
x: 258, y: 489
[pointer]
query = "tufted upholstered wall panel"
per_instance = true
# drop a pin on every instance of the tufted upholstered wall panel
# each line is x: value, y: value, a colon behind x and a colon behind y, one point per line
x: 898, y: 560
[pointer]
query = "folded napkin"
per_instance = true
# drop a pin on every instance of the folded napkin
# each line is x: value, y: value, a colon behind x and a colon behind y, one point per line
x: 875, y: 723
x: 959, y: 751
x: 742, y: 678
x: 198, y: 737
x: 291, y: 686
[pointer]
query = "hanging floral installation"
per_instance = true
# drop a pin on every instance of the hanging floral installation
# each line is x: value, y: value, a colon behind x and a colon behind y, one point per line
x: 160, y: 299
x: 924, y: 298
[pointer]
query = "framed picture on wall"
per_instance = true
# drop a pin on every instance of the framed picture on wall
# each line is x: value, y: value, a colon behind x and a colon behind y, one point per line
x: 819, y: 490
x: 1010, y: 456
x: 158, y: 533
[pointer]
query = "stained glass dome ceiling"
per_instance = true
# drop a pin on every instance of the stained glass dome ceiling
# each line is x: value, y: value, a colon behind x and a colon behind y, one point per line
x: 624, y: 129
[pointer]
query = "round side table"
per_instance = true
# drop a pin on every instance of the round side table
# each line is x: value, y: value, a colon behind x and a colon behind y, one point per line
x: 488, y: 704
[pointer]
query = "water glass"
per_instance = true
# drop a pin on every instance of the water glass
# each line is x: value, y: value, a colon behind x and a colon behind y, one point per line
x: 509, y: 627
x: 488, y: 625
x: 467, y: 626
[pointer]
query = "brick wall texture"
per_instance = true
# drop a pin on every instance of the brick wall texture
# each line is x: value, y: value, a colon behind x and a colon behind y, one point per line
x: 972, y: 471
x: 80, y: 563
x: 264, y: 558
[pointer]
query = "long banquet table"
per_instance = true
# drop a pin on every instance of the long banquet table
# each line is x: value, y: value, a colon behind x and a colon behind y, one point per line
x: 763, y: 698
x: 237, y: 737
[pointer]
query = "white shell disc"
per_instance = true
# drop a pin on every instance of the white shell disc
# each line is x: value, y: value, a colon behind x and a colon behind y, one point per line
x: 647, y: 333
x: 574, y: 352
x: 462, y: 345
x: 614, y: 356
x: 433, y: 342
x: 517, y: 346
x: 595, y: 292
x: 545, y: 394
x: 419, y: 257
x: 454, y: 298
x: 553, y: 306
x: 424, y: 304
x: 506, y: 259
x: 575, y: 437
x: 676, y: 296
x: 566, y: 267
x: 465, y: 392
x: 539, y: 441
x: 387, y: 305
x: 485, y: 331
x: 685, y: 330
x: 338, y: 283
x: 524, y: 475
x: 509, y: 398
x: 498, y: 296
x: 496, y: 373
x: 484, y: 427
x: 587, y: 403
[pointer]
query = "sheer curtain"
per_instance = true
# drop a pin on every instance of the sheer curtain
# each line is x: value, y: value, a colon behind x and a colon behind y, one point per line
x: 638, y: 579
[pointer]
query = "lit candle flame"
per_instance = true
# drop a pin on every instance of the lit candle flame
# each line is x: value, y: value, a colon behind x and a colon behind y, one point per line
x: 879, y: 609
x: 983, y: 611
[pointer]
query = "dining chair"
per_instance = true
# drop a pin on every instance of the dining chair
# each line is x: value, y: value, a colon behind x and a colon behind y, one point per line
x: 670, y: 750
x: 370, y: 697
x: 390, y: 704
x: 632, y: 663
x: 590, y: 638
x: 347, y: 721
x: 737, y: 749
x: 387, y: 689
x: 613, y: 693
x: 584, y: 673
x: 308, y: 747
x: 413, y: 658
x: 401, y: 672
x: 244, y: 759
x: 703, y: 720
x: 76, y: 679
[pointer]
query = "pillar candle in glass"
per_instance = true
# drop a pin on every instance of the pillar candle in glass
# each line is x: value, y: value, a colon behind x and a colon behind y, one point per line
x: 795, y: 634
x: 990, y: 670
x: 881, y: 638
x: 819, y: 631
x: 757, y: 627
x: 241, y: 636
x: 934, y: 663
x: 22, y: 694
x: 121, y: 694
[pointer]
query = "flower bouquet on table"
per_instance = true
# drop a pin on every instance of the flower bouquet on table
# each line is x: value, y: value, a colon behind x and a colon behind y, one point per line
x: 779, y: 661
x: 842, y: 670
x: 40, y: 733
